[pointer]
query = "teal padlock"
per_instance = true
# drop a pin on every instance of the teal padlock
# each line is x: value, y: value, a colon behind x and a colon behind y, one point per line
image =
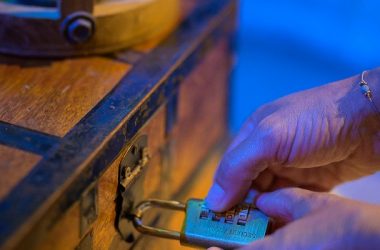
x: 204, y: 228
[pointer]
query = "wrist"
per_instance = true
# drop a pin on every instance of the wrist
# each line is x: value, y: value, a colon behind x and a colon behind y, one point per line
x: 355, y: 106
x: 372, y: 78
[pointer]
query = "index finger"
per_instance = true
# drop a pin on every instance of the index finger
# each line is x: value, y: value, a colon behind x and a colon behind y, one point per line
x: 238, y: 168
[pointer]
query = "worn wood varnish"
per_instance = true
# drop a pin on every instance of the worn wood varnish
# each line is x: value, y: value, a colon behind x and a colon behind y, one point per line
x: 14, y: 165
x: 201, y: 118
x: 52, y: 98
x: 173, y: 90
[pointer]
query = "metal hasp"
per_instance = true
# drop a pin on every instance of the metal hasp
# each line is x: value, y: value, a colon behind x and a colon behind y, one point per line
x: 202, y: 227
x: 134, y: 161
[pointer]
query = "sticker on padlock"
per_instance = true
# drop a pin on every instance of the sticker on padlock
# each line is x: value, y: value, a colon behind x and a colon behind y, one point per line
x: 202, y: 227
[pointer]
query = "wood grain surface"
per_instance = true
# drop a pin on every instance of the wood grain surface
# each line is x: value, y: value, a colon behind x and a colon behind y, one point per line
x: 67, y: 7
x: 64, y: 234
x: 202, y: 113
x: 53, y: 98
x: 15, y: 164
x: 186, y: 8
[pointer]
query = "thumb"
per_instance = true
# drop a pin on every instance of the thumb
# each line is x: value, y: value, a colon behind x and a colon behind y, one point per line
x: 290, y: 204
x: 238, y: 168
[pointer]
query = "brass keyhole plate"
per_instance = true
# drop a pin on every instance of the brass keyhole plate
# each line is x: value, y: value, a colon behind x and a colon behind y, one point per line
x: 134, y: 160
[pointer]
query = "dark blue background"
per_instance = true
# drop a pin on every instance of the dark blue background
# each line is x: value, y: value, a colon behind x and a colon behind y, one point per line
x: 291, y: 45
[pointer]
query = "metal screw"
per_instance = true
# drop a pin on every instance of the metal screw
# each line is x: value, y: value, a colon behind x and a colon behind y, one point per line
x: 80, y: 30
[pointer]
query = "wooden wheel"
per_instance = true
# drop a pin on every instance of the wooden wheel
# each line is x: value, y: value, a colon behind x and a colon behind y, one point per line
x: 74, y: 28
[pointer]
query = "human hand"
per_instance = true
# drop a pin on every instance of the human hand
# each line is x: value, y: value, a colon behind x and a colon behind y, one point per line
x: 318, y: 221
x: 316, y: 139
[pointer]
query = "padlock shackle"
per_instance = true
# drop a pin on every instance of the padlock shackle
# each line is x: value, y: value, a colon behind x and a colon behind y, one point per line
x: 151, y: 203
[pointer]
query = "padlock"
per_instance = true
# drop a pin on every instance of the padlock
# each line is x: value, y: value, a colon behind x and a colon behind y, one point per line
x: 202, y: 227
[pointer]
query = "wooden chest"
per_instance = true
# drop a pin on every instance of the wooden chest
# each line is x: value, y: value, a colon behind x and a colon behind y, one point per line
x: 82, y: 138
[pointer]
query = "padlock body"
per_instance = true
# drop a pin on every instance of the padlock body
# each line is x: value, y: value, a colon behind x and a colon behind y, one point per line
x: 232, y: 229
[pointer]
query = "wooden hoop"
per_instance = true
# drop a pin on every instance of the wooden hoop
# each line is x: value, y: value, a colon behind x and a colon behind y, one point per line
x: 77, y: 28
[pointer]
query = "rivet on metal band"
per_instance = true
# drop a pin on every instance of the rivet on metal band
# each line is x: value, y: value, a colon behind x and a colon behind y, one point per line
x: 367, y: 92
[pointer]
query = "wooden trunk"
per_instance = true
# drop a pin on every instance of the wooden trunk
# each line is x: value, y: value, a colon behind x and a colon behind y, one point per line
x: 68, y: 126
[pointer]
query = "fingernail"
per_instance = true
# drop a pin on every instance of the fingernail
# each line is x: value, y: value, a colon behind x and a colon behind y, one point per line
x: 251, y: 196
x: 261, y: 200
x: 215, y: 197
